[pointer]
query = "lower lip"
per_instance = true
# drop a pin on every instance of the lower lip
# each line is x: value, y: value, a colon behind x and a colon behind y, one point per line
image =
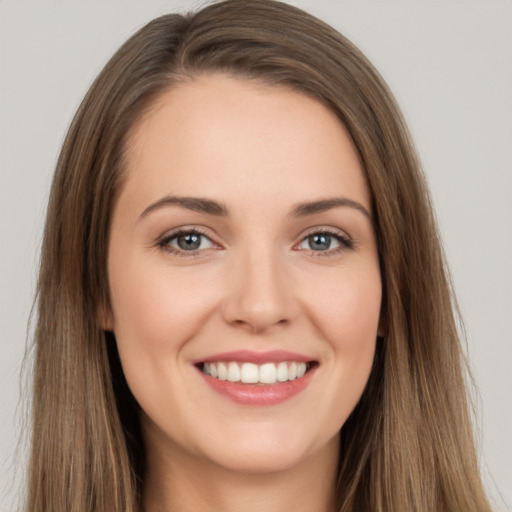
x: 253, y: 394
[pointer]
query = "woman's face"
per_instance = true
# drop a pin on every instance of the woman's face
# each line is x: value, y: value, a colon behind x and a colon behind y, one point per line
x: 242, y: 247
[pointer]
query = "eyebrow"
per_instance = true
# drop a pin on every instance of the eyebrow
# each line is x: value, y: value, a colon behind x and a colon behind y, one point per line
x: 196, y: 204
x: 323, y: 205
x: 211, y: 207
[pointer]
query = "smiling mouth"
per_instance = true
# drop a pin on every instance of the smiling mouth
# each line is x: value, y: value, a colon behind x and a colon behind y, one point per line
x: 251, y: 373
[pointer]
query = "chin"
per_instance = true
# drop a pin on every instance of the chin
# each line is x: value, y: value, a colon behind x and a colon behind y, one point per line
x: 269, y: 452
x: 260, y: 460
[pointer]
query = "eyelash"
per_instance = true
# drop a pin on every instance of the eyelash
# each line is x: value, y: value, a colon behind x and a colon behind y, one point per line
x: 164, y: 243
x: 345, y: 242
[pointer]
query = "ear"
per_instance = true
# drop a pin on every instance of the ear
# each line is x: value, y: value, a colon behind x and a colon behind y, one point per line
x: 382, y: 328
x: 105, y: 317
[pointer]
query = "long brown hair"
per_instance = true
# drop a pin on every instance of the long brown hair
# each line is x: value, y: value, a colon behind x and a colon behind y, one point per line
x: 408, y: 445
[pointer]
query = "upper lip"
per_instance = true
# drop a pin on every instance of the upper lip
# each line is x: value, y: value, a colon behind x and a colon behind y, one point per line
x: 249, y: 356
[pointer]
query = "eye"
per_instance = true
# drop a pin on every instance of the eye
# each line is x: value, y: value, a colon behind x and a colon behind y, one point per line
x: 325, y: 241
x: 186, y: 241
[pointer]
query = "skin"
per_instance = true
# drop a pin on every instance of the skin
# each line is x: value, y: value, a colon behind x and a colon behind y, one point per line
x: 255, y: 283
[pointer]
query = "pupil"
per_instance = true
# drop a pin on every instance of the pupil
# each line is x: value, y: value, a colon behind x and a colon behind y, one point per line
x: 319, y: 242
x: 189, y: 242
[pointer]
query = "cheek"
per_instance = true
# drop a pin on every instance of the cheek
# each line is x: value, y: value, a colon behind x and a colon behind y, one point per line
x: 353, y: 331
x: 347, y: 308
x: 156, y: 312
x: 155, y: 309
x: 347, y: 312
x: 343, y: 305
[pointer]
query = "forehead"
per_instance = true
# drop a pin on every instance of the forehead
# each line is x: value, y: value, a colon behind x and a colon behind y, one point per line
x: 224, y: 137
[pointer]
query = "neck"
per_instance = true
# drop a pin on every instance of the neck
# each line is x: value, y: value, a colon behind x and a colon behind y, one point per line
x: 187, y: 484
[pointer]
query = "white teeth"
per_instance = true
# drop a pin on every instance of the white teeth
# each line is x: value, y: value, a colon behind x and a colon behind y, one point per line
x: 250, y: 373
x: 268, y: 373
x: 233, y: 372
x: 292, y: 371
x: 222, y: 371
x: 282, y: 372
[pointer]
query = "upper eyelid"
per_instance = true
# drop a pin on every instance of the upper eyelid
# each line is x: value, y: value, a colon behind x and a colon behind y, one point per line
x: 205, y: 231
x: 342, y: 237
x: 186, y: 229
x: 327, y: 230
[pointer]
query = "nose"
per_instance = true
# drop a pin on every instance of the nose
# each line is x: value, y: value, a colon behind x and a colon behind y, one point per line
x: 260, y: 294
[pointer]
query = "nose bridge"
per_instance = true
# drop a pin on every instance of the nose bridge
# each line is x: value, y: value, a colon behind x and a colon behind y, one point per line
x: 259, y: 295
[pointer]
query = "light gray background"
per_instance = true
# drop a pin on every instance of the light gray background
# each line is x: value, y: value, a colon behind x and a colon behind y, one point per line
x: 448, y: 62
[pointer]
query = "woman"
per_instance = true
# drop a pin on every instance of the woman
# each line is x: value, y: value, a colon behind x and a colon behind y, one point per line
x: 242, y: 298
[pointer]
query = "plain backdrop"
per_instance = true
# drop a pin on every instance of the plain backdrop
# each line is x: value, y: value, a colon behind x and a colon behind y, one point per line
x: 449, y: 64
